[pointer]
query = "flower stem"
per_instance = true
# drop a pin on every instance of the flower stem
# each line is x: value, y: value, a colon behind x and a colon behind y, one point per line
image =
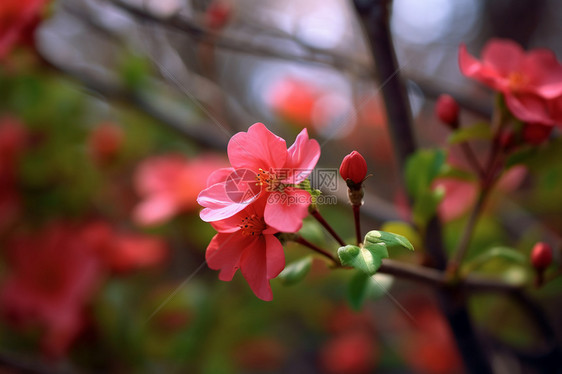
x: 316, y: 214
x: 299, y: 239
x: 472, y: 159
x: 462, y: 248
x: 357, y: 218
x: 487, y: 180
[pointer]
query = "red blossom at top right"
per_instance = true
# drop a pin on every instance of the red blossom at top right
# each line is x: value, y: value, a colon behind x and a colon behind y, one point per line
x: 530, y: 81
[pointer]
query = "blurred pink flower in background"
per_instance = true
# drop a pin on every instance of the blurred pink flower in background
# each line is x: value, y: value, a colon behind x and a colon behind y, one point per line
x: 276, y: 169
x: 54, y: 272
x: 13, y: 140
x: 121, y: 251
x: 353, y: 347
x: 105, y: 142
x: 218, y: 14
x: 293, y: 100
x: 531, y: 82
x: 169, y: 185
x: 50, y: 279
x: 460, y: 195
x: 429, y: 346
x: 18, y: 19
x: 244, y: 241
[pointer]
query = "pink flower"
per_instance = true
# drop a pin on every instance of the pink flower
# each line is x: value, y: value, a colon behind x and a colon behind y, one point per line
x: 531, y: 82
x: 244, y: 241
x: 460, y: 195
x: 294, y: 100
x: 17, y: 19
x: 105, y: 142
x: 50, y: 279
x: 122, y: 252
x: 218, y: 14
x: 261, y: 157
x: 170, y: 184
x: 13, y: 139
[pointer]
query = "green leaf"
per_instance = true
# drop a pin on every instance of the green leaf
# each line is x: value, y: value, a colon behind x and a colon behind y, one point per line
x: 422, y: 168
x: 358, y: 289
x: 521, y: 156
x: 480, y: 130
x: 426, y: 205
x: 295, y: 271
x: 449, y: 171
x: 405, y: 229
x: 388, y: 239
x: 363, y: 287
x: 367, y: 258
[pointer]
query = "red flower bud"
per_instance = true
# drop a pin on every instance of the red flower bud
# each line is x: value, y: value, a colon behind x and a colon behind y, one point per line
x: 541, y: 256
x: 218, y: 14
x: 354, y: 167
x: 507, y: 140
x: 447, y: 110
x: 535, y: 134
x: 106, y: 141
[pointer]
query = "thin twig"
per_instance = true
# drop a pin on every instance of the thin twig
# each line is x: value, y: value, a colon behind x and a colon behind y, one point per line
x: 375, y: 18
x: 299, y: 239
x: 357, y: 219
x: 472, y: 159
x: 205, y: 35
x: 467, y: 234
x: 314, y: 212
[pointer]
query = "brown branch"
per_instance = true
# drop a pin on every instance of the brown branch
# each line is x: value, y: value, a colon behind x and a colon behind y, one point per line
x: 201, y: 34
x: 20, y: 365
x: 375, y: 18
x: 314, y: 212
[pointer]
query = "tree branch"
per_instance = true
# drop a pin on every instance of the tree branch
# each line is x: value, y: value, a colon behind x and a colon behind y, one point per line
x: 375, y: 19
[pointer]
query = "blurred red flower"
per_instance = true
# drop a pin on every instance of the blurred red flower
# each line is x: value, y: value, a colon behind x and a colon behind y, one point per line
x: 13, y: 139
x: 218, y: 14
x: 50, y: 279
x: 460, y: 195
x: 353, y: 347
x: 351, y: 352
x: 293, y: 100
x: 53, y: 273
x: 105, y: 141
x: 428, y: 346
x: 18, y: 19
x: 170, y: 184
x: 122, y: 251
x: 531, y: 82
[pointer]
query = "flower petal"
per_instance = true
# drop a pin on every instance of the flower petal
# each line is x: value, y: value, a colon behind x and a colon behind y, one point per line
x: 545, y: 73
x: 219, y: 203
x: 257, y: 148
x: 225, y: 251
x: 155, y: 210
x: 219, y: 176
x: 253, y: 265
x: 472, y: 68
x: 274, y: 255
x: 529, y: 108
x: 286, y: 210
x: 503, y: 55
x: 302, y: 158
